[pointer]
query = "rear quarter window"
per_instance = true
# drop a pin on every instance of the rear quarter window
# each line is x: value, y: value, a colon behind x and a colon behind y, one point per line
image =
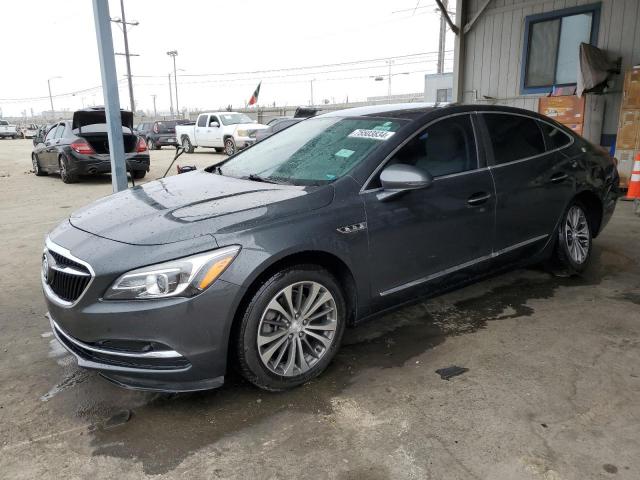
x: 554, y: 137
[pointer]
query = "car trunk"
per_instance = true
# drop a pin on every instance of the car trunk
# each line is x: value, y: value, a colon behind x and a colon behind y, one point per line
x: 91, y: 125
x: 100, y: 142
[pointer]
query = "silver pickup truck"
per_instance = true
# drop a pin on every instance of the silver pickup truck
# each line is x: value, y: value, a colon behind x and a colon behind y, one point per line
x: 8, y: 130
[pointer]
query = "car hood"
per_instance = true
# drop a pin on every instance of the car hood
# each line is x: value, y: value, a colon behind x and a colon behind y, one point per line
x: 193, y: 204
x: 251, y: 126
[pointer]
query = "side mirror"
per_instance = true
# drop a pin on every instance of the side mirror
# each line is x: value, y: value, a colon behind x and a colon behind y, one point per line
x: 399, y: 178
x: 214, y: 124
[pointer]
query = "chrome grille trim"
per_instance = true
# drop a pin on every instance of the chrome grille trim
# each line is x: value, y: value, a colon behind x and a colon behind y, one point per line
x: 71, y: 265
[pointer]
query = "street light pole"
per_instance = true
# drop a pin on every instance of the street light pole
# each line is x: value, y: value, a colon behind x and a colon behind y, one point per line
x: 174, y: 54
x: 170, y: 94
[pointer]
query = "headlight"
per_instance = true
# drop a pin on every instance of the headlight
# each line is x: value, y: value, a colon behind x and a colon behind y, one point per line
x: 242, y: 133
x: 184, y: 277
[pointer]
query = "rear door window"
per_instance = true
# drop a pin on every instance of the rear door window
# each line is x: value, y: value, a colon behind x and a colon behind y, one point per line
x: 202, y: 121
x: 554, y: 138
x: 513, y: 137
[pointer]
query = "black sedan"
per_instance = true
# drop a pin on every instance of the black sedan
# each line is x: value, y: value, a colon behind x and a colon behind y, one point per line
x: 81, y: 147
x: 265, y: 258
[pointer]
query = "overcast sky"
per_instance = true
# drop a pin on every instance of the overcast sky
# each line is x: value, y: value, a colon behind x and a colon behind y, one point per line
x: 44, y: 39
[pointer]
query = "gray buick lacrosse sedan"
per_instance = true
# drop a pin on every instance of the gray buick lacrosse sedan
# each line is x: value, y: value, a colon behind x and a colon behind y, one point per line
x: 262, y: 261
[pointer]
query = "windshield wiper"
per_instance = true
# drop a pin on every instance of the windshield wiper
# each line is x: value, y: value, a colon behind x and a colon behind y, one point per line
x: 257, y: 178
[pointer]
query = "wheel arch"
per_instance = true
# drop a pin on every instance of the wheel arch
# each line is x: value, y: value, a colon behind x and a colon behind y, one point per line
x: 331, y: 262
x: 594, y: 207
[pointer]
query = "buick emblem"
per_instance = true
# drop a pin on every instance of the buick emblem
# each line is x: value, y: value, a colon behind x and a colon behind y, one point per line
x: 45, y: 268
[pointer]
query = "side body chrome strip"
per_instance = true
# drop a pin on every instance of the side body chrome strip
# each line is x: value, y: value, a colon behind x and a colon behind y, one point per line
x: 462, y: 266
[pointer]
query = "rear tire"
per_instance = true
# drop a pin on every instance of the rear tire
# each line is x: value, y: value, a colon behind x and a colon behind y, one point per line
x: 574, y: 241
x: 186, y: 144
x: 303, y: 344
x: 65, y: 175
x: 151, y: 145
x: 138, y: 174
x: 36, y: 166
x: 219, y: 149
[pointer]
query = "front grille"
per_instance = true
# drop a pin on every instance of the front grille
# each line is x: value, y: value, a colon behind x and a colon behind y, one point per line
x: 66, y: 277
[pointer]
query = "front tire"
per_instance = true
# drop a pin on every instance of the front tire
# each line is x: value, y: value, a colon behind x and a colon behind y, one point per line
x: 229, y: 146
x: 573, y: 248
x: 291, y: 329
x: 186, y: 144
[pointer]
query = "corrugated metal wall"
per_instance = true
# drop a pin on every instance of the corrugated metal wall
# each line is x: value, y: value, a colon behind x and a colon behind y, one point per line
x: 494, y: 52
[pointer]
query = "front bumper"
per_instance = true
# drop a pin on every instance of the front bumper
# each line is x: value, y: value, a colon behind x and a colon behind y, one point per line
x: 170, y: 345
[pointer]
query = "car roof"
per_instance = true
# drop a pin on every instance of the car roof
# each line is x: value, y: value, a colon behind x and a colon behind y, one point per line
x: 393, y: 110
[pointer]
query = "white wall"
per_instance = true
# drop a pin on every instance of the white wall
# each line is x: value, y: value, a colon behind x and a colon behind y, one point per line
x: 434, y: 82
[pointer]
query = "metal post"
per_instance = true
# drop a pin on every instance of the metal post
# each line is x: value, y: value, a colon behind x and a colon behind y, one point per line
x: 127, y: 57
x: 110, y: 92
x: 170, y: 95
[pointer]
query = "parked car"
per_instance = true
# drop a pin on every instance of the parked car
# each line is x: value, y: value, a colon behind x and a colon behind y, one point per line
x: 225, y: 131
x: 29, y: 131
x: 275, y: 125
x: 8, y: 130
x: 81, y: 147
x: 160, y: 133
x: 268, y: 256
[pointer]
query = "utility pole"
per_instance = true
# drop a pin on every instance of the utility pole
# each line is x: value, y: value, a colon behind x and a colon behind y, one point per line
x: 126, y: 54
x: 174, y: 54
x: 443, y: 38
x: 312, y: 92
x: 170, y: 95
x: 390, y: 61
x: 110, y: 90
x: 155, y: 112
x: 51, y: 96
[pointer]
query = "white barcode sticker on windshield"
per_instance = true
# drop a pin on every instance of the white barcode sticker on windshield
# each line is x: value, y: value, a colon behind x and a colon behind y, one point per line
x: 373, y: 134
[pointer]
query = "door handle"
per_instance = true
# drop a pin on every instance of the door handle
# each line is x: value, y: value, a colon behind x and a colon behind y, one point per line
x: 478, y: 198
x: 558, y: 177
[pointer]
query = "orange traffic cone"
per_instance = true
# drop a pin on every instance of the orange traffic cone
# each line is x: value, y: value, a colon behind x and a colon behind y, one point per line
x: 633, y: 191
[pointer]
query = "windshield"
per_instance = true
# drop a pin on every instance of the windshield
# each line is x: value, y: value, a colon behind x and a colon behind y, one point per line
x: 234, y: 118
x: 314, y: 151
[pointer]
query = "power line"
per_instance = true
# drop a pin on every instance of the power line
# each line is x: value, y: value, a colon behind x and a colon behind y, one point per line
x: 308, y: 67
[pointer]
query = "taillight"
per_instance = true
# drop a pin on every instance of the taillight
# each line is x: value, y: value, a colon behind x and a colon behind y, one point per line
x: 82, y: 147
x: 141, y: 146
x: 155, y: 128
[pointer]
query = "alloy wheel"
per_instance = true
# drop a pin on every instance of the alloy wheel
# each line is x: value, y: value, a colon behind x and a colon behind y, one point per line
x: 229, y: 147
x: 576, y: 234
x: 297, y: 328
